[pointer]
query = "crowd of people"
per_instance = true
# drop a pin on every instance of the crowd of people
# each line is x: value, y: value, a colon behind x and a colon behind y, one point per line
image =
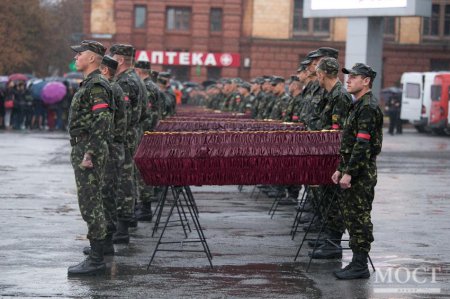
x: 20, y: 109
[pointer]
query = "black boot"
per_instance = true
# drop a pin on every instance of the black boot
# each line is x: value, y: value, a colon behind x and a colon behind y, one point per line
x: 329, y: 250
x: 356, y: 269
x: 108, y: 247
x: 121, y: 236
x: 133, y: 222
x: 93, y: 264
x: 144, y: 212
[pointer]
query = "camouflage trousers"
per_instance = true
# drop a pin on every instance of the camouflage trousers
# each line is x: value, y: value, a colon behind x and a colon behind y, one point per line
x: 89, y: 184
x: 334, y: 220
x: 113, y: 175
x: 127, y: 186
x: 357, y: 206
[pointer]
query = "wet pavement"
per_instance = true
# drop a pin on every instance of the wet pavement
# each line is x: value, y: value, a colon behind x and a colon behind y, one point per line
x: 42, y: 233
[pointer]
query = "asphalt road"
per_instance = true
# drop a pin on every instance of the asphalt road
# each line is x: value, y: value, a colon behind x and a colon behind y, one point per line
x: 42, y: 233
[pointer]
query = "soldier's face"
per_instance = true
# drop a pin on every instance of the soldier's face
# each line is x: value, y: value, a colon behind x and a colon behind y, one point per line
x: 320, y: 78
x: 356, y: 83
x: 82, y: 60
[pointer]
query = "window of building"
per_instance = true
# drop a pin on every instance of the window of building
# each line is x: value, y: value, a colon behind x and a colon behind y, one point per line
x: 215, y: 19
x: 439, y: 65
x: 447, y: 21
x: 311, y: 26
x: 140, y: 16
x: 389, y: 25
x: 178, y: 18
x: 214, y: 73
x: 431, y: 24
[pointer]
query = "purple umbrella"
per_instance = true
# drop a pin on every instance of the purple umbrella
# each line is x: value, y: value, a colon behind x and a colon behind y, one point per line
x: 53, y: 92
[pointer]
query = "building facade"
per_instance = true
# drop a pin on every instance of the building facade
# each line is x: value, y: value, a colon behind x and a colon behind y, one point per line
x: 199, y: 40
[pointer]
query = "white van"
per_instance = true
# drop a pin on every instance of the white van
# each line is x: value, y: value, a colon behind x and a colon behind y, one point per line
x: 416, y: 98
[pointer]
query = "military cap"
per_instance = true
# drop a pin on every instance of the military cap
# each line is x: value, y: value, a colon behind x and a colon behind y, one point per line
x: 325, y: 51
x: 164, y: 77
x: 120, y: 49
x: 212, y: 86
x: 142, y: 64
x: 303, y: 65
x: 90, y: 45
x: 294, y: 78
x: 267, y: 78
x: 311, y: 55
x: 361, y: 69
x: 329, y: 65
x: 109, y: 62
x: 226, y: 81
x: 245, y: 85
x: 276, y: 79
x: 257, y: 80
x: 236, y: 80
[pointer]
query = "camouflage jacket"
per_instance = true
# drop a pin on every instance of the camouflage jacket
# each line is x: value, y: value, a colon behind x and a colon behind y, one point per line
x: 303, y: 111
x: 338, y: 102
x: 155, y: 104
x: 134, y: 89
x: 280, y: 105
x: 262, y: 105
x: 246, y: 104
x: 258, y: 97
x: 362, y: 136
x: 170, y: 102
x: 90, y: 114
x: 122, y: 113
x: 317, y: 105
x: 288, y: 112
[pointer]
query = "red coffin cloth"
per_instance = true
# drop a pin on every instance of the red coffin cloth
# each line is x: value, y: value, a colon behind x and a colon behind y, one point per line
x: 220, y: 125
x: 238, y: 158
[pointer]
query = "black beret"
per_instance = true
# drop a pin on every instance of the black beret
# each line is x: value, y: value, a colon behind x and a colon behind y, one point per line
x: 142, y: 64
x: 109, y: 62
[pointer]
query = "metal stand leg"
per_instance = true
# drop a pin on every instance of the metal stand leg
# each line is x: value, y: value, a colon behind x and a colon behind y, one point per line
x: 299, y: 214
x: 180, y: 193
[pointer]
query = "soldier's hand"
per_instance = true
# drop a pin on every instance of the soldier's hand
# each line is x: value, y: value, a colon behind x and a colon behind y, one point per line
x: 336, y: 176
x: 87, y: 161
x: 345, y: 181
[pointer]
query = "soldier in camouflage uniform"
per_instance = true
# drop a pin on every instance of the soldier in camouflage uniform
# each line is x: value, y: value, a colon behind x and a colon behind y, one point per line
x: 90, y: 119
x: 116, y: 149
x: 163, y: 82
x: 257, y: 93
x: 245, y: 105
x: 357, y: 172
x: 299, y: 101
x: 295, y: 92
x: 264, y: 101
x: 318, y: 93
x: 154, y: 108
x: 337, y: 104
x: 281, y: 98
x: 134, y: 92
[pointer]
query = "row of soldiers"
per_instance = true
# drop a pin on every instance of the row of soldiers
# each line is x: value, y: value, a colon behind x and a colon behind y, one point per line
x: 307, y: 99
x: 116, y: 103
x: 317, y: 98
